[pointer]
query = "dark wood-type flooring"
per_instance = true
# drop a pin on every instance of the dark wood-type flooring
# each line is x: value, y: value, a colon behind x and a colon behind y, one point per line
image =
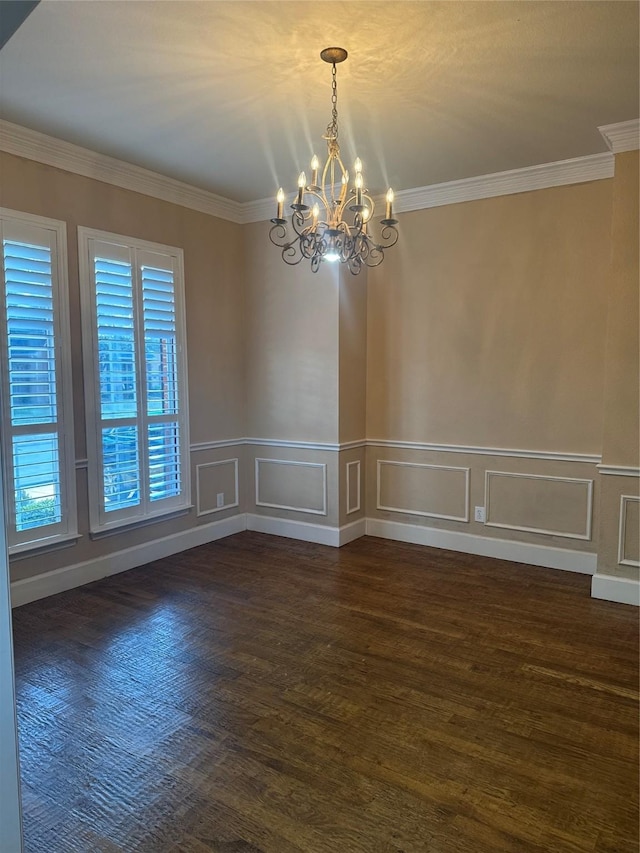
x: 263, y: 694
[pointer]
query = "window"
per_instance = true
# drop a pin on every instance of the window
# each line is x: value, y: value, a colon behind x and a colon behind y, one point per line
x: 135, y: 379
x: 35, y: 383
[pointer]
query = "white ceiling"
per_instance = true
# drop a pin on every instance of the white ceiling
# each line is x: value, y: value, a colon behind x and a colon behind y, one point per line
x: 233, y: 97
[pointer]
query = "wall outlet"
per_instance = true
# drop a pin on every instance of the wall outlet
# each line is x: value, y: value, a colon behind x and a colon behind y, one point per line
x: 480, y: 514
x: 220, y: 499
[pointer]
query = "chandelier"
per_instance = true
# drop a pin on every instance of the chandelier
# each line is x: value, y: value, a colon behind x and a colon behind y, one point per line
x: 332, y: 221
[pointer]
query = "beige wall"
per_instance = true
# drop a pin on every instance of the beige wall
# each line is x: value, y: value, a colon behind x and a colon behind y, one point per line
x: 508, y: 323
x: 352, y: 344
x: 485, y: 323
x: 621, y: 429
x: 291, y: 337
x: 213, y: 283
x: 620, y: 444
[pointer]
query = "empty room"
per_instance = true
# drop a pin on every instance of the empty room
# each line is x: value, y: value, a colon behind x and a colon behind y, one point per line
x: 319, y: 410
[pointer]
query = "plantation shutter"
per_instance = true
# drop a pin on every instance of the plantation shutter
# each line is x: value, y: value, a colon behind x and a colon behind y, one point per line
x: 37, y: 443
x: 137, y: 420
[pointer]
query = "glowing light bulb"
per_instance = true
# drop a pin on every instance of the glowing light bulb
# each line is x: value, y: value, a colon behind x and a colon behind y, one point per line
x: 366, y: 213
x: 390, y: 197
x: 315, y: 165
x: 358, y: 181
x: 332, y: 254
x: 316, y: 213
x: 280, y: 201
x: 358, y: 165
x: 302, y: 181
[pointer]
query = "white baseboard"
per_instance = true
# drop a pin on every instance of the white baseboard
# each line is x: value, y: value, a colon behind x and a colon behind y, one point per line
x: 603, y: 586
x: 484, y: 546
x: 322, y: 534
x: 610, y: 588
x: 352, y: 531
x: 68, y: 577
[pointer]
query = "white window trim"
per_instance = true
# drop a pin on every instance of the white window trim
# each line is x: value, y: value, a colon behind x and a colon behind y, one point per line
x: 97, y: 525
x: 64, y: 395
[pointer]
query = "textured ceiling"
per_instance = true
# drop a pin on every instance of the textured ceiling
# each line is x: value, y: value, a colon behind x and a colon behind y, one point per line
x: 233, y: 97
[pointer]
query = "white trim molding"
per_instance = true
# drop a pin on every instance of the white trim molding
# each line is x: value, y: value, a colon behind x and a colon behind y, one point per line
x: 236, y: 502
x: 307, y: 510
x: 618, y: 470
x: 32, y: 145
x: 473, y: 450
x: 68, y: 577
x: 356, y: 507
x: 201, y: 446
x: 586, y: 536
x: 331, y: 447
x: 380, y: 506
x: 622, y: 530
x: 611, y: 588
x: 485, y: 546
x: 298, y: 445
x: 623, y: 136
x: 577, y: 170
x: 321, y: 534
x: 551, y: 455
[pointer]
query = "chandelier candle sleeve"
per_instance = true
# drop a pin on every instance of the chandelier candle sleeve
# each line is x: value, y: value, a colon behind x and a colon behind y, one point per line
x: 389, y: 204
x: 302, y: 180
x: 336, y: 222
x: 315, y: 165
x: 358, y: 183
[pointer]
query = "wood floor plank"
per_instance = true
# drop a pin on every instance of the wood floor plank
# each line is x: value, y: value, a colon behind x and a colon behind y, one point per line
x: 263, y: 695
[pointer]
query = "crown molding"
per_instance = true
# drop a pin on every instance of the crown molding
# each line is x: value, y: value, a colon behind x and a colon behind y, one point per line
x: 578, y: 170
x: 33, y: 145
x: 593, y: 167
x: 623, y: 136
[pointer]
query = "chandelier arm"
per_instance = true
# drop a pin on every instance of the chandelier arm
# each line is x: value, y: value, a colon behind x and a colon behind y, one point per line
x: 389, y: 233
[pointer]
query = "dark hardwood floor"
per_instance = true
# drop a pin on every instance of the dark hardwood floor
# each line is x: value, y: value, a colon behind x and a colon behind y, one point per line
x: 263, y: 694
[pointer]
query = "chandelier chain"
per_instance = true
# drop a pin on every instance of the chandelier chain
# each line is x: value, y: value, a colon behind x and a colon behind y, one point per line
x: 332, y: 130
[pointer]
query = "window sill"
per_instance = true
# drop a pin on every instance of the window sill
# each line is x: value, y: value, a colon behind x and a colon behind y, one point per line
x: 125, y: 526
x: 42, y: 546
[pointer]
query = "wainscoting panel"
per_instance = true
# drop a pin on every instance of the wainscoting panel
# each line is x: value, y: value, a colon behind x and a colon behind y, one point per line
x: 353, y: 486
x: 285, y: 484
x: 535, y: 503
x: 415, y: 488
x: 628, y: 538
x: 214, y: 479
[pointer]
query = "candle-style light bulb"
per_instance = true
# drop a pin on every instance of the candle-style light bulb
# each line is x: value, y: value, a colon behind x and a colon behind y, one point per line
x: 390, y: 198
x: 358, y: 165
x: 366, y: 214
x: 315, y: 165
x: 316, y: 213
x: 302, y: 180
x: 280, y: 201
x: 358, y: 183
